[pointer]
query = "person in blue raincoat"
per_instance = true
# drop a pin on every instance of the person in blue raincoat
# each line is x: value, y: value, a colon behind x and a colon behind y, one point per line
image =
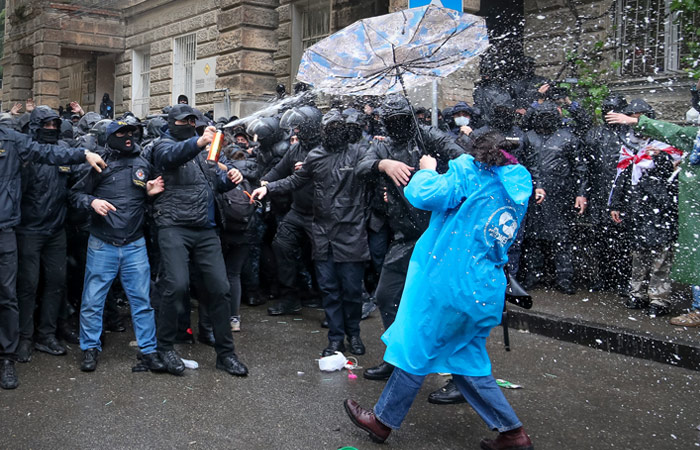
x: 455, y: 288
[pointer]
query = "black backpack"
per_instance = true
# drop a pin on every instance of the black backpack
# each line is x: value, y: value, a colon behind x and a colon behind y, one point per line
x: 237, y: 207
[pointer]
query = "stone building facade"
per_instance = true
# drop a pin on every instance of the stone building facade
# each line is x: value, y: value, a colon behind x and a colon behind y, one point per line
x: 229, y: 55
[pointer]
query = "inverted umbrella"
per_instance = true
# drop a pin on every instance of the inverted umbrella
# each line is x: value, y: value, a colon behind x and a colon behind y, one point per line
x: 386, y: 54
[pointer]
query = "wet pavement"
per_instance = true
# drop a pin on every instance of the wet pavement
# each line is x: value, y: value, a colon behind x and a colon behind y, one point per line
x: 574, y: 397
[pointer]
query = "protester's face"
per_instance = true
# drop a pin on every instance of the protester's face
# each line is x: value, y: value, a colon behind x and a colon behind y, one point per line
x: 241, y: 140
x: 186, y: 121
x: 50, y: 125
x: 461, y: 114
x: 182, y: 102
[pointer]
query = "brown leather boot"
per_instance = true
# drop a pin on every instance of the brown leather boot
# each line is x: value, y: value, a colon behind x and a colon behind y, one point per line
x: 366, y: 420
x: 510, y: 440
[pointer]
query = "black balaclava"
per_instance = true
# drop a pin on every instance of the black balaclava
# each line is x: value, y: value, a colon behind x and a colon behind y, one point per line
x: 400, y: 128
x: 123, y: 145
x: 181, y: 112
x: 46, y: 136
x: 503, y: 118
x: 354, y: 133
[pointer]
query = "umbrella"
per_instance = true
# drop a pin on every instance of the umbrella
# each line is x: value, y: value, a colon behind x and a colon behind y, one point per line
x: 386, y: 54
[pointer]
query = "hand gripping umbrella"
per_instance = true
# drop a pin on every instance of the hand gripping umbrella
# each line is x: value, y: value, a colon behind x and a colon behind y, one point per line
x: 386, y: 54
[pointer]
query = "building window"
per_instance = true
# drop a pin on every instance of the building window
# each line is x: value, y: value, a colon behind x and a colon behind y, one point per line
x: 141, y: 82
x: 183, y: 70
x: 311, y: 22
x: 649, y: 39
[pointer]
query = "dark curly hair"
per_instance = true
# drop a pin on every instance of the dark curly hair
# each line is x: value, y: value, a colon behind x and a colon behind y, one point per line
x: 488, y: 149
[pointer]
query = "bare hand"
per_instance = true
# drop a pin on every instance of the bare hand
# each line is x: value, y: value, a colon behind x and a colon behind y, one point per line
x: 581, y: 204
x: 521, y: 111
x: 399, y: 172
x: 428, y: 162
x: 258, y: 194
x: 16, y: 109
x: 155, y: 187
x: 618, y: 118
x: 298, y: 165
x: 235, y: 176
x: 75, y: 107
x: 29, y: 105
x: 386, y: 196
x: 207, y: 137
x: 540, y: 194
x: 95, y: 161
x: 465, y: 129
x: 102, y: 207
x: 543, y: 89
x: 615, y: 216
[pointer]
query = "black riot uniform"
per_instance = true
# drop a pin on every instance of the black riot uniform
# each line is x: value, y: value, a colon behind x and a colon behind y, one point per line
x: 339, y: 233
x: 560, y: 169
x: 187, y: 214
x: 16, y: 149
x: 41, y: 242
x: 294, y: 231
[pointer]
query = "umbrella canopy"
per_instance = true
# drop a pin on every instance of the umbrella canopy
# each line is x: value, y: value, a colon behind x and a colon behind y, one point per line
x: 386, y: 54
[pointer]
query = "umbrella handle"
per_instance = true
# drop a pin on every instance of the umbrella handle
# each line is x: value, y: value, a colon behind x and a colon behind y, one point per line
x: 419, y: 135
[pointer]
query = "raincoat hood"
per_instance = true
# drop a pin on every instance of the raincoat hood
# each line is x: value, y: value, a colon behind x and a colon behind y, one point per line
x: 39, y: 116
x: 516, y: 181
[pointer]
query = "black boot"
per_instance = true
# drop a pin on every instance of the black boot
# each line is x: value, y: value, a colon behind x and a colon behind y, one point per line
x: 447, y: 395
x: 381, y: 372
x: 8, y: 374
x: 153, y: 362
x: 285, y: 307
x: 333, y: 346
x: 67, y: 332
x: 206, y: 336
x: 356, y: 345
x: 89, y: 363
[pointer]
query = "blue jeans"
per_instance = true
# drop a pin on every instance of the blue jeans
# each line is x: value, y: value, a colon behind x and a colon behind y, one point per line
x: 482, y: 393
x: 696, y: 298
x: 104, y: 262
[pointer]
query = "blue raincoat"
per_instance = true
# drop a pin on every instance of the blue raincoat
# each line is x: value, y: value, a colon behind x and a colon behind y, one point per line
x: 455, y: 286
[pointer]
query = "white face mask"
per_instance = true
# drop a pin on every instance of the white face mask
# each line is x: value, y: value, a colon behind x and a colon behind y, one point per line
x: 462, y: 121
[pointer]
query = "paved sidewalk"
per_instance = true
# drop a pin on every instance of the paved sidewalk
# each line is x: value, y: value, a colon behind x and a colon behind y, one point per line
x: 600, y: 320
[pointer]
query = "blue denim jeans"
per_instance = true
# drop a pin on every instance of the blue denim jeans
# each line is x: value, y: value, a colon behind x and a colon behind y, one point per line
x: 696, y: 298
x: 104, y: 262
x: 482, y: 393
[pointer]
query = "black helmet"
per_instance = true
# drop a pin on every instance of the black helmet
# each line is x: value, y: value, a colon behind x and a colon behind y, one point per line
x: 334, y: 131
x: 66, y: 129
x: 99, y: 130
x: 305, y: 119
x: 614, y: 103
x: 267, y: 129
x: 639, y: 106
x: 86, y: 122
x: 395, y: 105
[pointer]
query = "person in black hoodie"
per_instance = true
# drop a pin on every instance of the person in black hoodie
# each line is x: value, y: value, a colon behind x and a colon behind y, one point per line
x: 117, y: 246
x: 107, y: 107
x: 554, y: 156
x: 610, y: 246
x: 294, y: 229
x: 15, y: 150
x: 41, y: 242
x: 339, y: 231
x: 187, y: 215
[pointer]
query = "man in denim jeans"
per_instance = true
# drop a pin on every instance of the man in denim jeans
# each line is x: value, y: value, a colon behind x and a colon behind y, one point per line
x: 117, y: 246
